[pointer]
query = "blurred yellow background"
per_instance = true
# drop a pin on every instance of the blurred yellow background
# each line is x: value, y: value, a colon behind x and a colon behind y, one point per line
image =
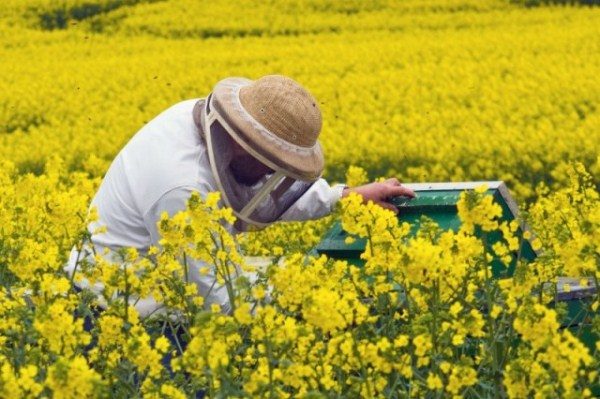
x: 428, y: 90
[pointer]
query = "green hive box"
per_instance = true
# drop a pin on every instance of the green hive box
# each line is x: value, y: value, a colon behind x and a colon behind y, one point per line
x: 437, y: 201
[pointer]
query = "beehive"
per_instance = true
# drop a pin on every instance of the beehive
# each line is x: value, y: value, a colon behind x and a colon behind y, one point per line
x: 436, y: 201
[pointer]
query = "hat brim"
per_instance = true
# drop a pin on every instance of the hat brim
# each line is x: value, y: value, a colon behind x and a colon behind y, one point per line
x: 303, y: 163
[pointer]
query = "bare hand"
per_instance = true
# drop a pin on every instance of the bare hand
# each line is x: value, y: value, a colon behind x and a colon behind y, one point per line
x: 381, y: 193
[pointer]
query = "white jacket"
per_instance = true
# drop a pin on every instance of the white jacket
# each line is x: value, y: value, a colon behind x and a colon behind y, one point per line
x: 156, y: 171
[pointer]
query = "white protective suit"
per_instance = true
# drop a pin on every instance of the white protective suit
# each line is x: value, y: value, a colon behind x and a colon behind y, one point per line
x: 157, y: 171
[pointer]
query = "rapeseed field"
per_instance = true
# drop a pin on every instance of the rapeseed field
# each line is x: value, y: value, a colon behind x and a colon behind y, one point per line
x: 424, y: 90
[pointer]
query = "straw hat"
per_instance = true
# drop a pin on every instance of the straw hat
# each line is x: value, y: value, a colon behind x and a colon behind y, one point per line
x: 275, y: 117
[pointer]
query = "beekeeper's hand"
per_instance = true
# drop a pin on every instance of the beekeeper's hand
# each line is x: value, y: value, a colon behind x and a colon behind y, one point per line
x: 381, y: 193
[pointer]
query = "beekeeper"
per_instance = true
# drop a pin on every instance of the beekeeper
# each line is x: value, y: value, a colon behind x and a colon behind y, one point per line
x: 253, y: 141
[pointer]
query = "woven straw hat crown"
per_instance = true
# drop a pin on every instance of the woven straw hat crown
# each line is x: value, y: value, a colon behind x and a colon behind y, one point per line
x: 275, y: 119
x: 284, y: 107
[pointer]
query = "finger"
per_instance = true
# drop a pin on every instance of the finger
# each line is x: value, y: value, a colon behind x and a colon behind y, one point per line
x: 393, y: 181
x: 388, y: 206
x: 395, y: 191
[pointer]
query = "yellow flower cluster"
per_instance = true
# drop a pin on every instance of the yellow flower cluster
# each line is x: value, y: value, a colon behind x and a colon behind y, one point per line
x: 424, y: 90
x: 423, y: 317
x: 568, y: 223
x: 547, y: 357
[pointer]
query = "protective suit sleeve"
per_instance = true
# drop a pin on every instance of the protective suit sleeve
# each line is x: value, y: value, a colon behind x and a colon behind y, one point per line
x: 172, y: 202
x: 318, y: 201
